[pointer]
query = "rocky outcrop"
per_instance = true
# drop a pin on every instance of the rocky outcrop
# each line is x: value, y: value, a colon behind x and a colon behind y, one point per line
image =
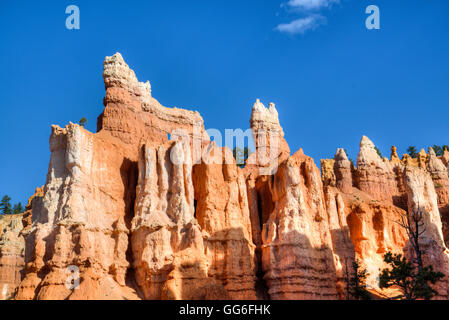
x: 167, y: 244
x: 385, y: 191
x: 268, y: 135
x: 12, y: 247
x: 394, y: 155
x: 342, y: 244
x: 378, y: 177
x: 84, y: 218
x: 343, y: 171
x: 374, y: 231
x: 297, y: 253
x: 35, y: 198
x: 116, y: 219
x: 80, y: 226
x: 368, y: 209
x: 440, y: 176
x: 149, y: 208
x: 12, y: 251
x: 327, y: 172
x: 134, y: 115
x: 223, y: 214
x: 422, y: 196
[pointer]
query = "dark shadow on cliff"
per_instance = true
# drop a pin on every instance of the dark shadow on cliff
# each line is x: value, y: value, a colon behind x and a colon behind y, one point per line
x: 343, y: 247
x: 194, y: 284
x: 237, y: 269
x: 401, y: 201
x: 225, y: 277
x: 129, y: 172
x: 298, y: 270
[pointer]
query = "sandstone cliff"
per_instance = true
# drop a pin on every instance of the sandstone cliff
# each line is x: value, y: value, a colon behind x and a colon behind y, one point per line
x: 378, y: 192
x: 12, y: 251
x: 118, y: 211
x: 149, y: 208
x: 12, y: 247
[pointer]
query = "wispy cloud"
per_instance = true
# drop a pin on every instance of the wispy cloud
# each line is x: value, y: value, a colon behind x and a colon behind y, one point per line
x: 310, y: 12
x: 310, y: 4
x: 300, y: 26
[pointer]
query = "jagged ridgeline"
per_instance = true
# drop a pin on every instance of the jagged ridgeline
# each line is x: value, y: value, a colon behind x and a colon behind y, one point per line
x: 120, y: 217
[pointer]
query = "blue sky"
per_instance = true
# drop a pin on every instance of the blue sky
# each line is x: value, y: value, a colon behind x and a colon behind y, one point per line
x: 332, y: 82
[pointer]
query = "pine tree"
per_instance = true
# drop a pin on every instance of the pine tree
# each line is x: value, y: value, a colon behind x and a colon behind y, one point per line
x: 347, y: 155
x: 438, y: 150
x: 378, y: 151
x: 412, y: 278
x: 5, y: 205
x: 356, y: 284
x: 82, y: 122
x: 241, y: 155
x: 412, y: 151
x: 18, y: 208
x: 413, y: 282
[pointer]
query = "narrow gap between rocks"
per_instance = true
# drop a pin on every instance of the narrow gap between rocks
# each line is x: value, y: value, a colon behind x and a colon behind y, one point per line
x: 129, y: 173
x: 261, y: 285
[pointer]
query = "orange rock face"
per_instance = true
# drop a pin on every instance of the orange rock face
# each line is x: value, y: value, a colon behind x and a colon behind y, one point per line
x: 437, y: 167
x: 12, y: 247
x: 149, y: 208
x: 82, y: 221
x: 378, y: 177
x: 223, y: 215
x: 85, y: 219
x: 383, y: 191
x: 12, y: 251
x: 297, y: 255
x: 117, y: 217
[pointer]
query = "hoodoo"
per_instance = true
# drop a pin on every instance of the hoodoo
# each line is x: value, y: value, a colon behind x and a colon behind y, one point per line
x: 148, y: 207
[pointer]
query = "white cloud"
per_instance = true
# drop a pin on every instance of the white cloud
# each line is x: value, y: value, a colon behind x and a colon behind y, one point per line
x: 309, y: 10
x: 310, y: 4
x: 300, y: 26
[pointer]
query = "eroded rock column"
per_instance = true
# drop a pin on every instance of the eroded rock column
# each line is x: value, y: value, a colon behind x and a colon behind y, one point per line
x: 297, y: 245
x: 223, y: 214
x: 167, y: 243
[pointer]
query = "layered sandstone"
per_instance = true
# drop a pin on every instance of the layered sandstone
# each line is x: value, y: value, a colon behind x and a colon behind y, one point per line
x: 327, y: 172
x: 384, y: 191
x: 134, y: 116
x: 168, y: 250
x: 422, y: 196
x: 12, y: 247
x: 373, y: 230
x: 84, y: 218
x: 149, y: 208
x: 82, y: 221
x: 12, y: 251
x: 438, y: 170
x: 268, y: 135
x: 223, y: 214
x: 118, y: 209
x: 297, y: 255
x: 378, y: 177
x: 343, y: 171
